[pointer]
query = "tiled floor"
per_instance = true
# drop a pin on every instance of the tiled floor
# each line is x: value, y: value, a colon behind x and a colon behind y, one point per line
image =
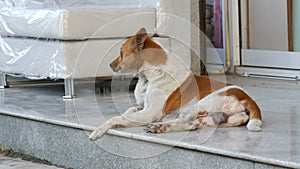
x: 278, y: 143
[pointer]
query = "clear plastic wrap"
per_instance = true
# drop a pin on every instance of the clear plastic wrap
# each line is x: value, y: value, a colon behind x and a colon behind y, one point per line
x: 71, y: 19
x: 47, y: 38
x: 62, y: 4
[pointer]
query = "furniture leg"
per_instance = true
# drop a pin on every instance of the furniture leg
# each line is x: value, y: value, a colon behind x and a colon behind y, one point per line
x: 69, y: 89
x: 3, y: 81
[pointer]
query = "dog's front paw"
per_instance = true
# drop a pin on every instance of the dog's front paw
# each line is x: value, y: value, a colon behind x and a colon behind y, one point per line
x: 153, y: 128
x: 96, y: 134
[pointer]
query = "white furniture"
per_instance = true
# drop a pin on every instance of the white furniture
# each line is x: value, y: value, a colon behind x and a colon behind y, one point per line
x: 79, y: 38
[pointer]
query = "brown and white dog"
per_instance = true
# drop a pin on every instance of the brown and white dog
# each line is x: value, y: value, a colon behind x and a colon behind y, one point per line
x: 165, y: 85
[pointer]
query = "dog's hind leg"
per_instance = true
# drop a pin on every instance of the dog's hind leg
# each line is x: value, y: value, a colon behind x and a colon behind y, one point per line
x: 213, y: 110
x: 255, y: 119
x: 183, y: 123
x: 218, y: 119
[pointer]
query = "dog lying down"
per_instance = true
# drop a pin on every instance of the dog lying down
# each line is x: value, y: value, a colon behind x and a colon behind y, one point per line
x: 165, y: 85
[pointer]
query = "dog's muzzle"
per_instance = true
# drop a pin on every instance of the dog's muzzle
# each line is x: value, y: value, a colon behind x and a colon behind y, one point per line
x: 113, y: 68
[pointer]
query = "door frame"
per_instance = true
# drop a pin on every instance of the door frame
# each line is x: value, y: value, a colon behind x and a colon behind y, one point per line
x: 221, y: 60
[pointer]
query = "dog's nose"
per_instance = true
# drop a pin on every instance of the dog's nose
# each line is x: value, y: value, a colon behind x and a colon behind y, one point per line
x: 112, y: 67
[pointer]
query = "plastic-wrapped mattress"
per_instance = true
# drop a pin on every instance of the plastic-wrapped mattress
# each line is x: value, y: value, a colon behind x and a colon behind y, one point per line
x: 68, y: 38
x: 79, y: 38
x: 55, y: 59
x: 78, y: 22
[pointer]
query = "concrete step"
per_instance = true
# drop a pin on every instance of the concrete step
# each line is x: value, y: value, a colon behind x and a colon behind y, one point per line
x: 17, y: 163
x: 70, y: 147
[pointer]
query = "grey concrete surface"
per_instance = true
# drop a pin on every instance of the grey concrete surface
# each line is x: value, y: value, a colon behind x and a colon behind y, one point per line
x: 16, y: 163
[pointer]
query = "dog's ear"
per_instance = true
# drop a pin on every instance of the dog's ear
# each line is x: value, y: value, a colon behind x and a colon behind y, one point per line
x: 139, y: 40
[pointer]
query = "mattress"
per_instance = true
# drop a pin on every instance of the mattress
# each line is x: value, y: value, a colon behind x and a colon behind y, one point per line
x: 55, y: 59
x: 76, y: 23
x: 58, y: 39
x: 59, y: 4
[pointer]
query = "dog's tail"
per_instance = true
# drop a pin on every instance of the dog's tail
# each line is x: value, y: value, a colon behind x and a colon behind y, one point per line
x: 255, y: 119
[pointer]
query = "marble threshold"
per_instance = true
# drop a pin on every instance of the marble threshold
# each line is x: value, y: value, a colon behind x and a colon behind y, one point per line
x: 277, y: 144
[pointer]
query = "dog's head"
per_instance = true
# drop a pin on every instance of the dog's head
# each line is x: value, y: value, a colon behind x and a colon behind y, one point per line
x: 135, y: 51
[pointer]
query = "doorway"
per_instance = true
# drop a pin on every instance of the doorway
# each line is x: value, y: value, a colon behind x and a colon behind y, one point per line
x: 215, y: 44
x: 270, y: 42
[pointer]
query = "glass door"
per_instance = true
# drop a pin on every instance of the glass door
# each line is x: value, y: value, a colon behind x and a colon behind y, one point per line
x: 215, y: 11
x: 270, y: 38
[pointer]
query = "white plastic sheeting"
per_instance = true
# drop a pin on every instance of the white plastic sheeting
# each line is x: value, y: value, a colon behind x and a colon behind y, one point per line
x: 75, y: 19
x: 64, y: 38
